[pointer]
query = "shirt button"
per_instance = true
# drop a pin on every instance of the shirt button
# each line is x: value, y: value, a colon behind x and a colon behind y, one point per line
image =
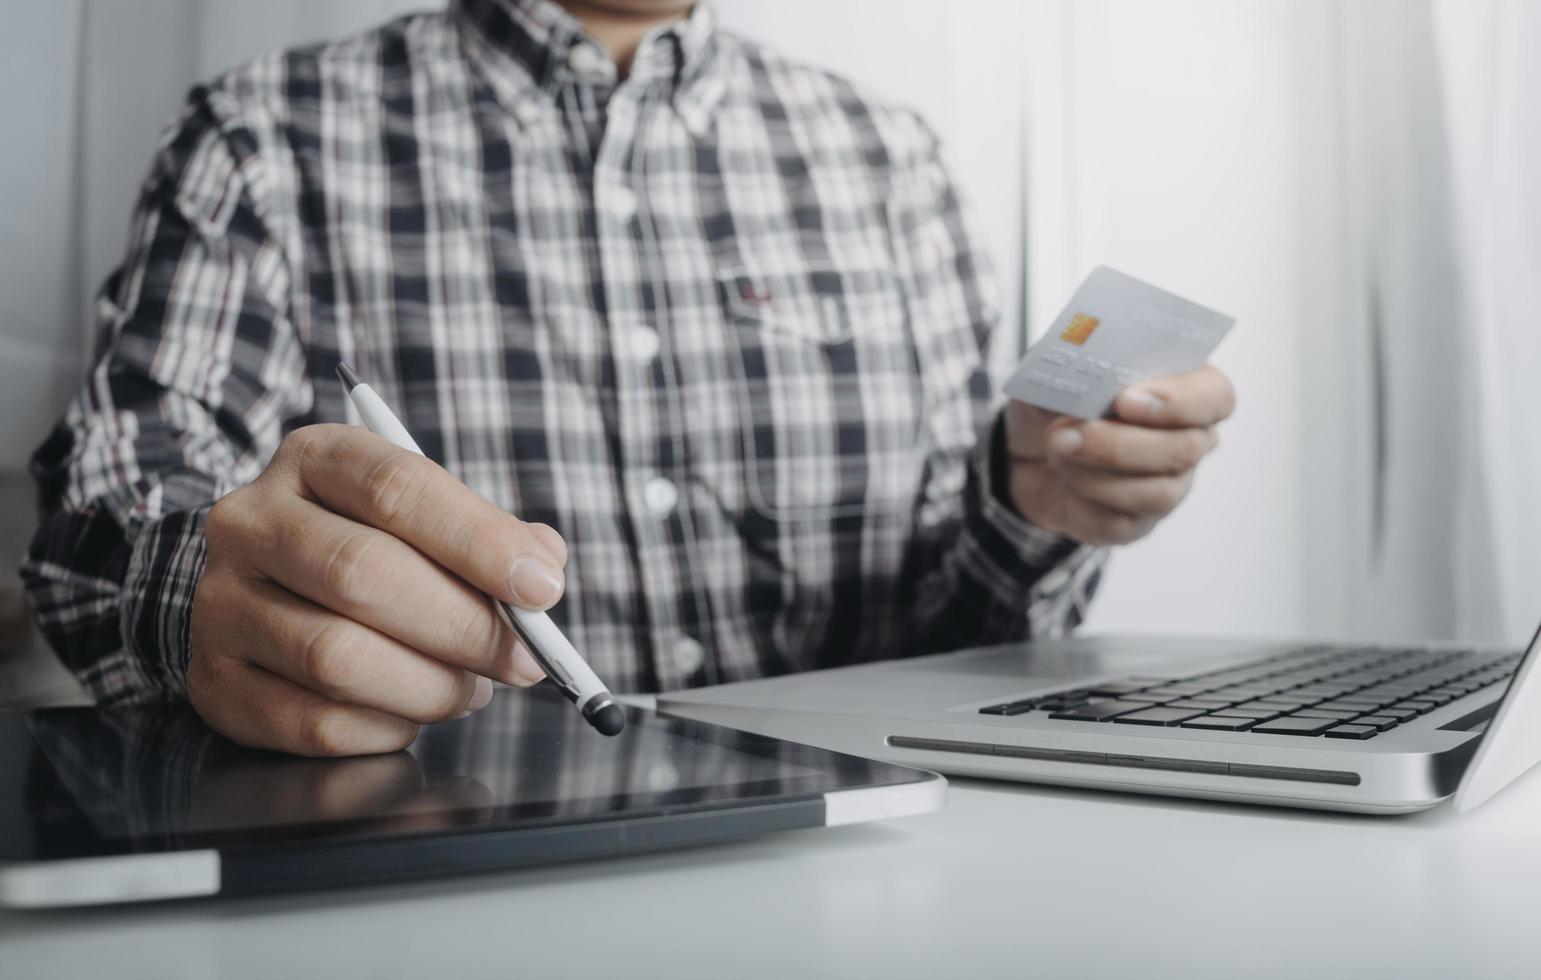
x: 644, y: 343
x: 623, y: 202
x: 688, y: 655
x: 583, y: 59
x: 527, y: 112
x: 660, y: 495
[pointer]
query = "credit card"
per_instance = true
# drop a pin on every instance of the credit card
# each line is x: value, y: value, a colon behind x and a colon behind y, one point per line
x: 1117, y: 330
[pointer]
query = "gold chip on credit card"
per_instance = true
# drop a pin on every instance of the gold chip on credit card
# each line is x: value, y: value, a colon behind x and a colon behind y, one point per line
x: 1079, y: 328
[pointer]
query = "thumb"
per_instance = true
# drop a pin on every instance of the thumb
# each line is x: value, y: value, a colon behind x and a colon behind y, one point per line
x: 1027, y: 429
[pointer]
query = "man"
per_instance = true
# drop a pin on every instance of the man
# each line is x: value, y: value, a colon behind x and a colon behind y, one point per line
x: 705, y: 320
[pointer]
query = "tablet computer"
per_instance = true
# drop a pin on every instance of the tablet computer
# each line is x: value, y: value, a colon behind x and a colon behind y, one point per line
x: 100, y: 806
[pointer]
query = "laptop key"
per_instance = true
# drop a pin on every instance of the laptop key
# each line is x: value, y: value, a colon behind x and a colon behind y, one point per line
x: 1010, y: 707
x: 1116, y: 688
x: 1279, y: 706
x: 1347, y: 704
x: 1352, y: 731
x: 1240, y: 693
x: 1176, y: 690
x: 1261, y: 714
x: 1219, y: 723
x: 1078, y: 694
x: 1099, y: 710
x: 1320, y: 713
x: 1197, y: 704
x: 1295, y: 726
x: 1150, y: 698
x: 1163, y: 716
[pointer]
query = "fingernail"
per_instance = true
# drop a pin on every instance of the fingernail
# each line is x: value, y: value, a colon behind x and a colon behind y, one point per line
x: 1065, y: 441
x: 1150, y: 404
x: 483, y: 695
x: 535, y: 583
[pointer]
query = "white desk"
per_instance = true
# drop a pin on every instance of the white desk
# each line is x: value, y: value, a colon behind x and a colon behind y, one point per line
x: 1027, y: 880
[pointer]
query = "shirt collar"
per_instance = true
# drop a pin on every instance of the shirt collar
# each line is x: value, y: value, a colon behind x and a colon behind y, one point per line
x: 524, y: 45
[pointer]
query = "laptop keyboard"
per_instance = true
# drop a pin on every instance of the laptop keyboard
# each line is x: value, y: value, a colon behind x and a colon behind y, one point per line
x: 1328, y: 691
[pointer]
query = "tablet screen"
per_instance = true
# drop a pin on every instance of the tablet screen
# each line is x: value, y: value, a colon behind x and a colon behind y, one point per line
x: 82, y: 781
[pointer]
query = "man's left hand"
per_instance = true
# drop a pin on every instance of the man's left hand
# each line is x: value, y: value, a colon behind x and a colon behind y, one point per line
x: 1110, y: 481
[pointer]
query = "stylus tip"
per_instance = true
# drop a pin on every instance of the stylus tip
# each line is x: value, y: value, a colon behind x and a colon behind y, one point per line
x: 349, y: 379
x: 608, y: 720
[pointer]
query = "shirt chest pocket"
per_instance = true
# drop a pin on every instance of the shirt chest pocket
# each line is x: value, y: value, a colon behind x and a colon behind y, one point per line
x: 825, y: 380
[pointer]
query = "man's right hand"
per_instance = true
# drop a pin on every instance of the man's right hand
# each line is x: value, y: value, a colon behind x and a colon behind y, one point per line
x: 342, y: 602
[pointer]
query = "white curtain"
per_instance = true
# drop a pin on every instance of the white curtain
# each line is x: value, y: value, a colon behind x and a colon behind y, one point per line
x: 1403, y: 328
x: 1442, y: 106
x: 1491, y: 84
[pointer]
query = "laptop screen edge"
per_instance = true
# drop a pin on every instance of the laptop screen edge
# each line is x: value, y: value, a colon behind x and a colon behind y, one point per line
x: 1512, y: 743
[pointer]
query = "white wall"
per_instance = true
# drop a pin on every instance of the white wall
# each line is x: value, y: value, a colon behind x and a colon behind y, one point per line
x: 38, y: 95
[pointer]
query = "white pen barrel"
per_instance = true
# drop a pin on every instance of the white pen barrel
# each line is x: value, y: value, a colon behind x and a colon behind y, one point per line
x: 560, y: 654
x: 381, y: 420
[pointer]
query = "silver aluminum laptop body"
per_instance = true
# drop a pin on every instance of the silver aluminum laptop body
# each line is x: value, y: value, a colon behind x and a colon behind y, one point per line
x: 925, y: 712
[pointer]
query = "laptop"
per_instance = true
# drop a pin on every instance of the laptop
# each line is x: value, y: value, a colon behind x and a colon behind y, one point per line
x: 104, y: 806
x: 1366, y: 728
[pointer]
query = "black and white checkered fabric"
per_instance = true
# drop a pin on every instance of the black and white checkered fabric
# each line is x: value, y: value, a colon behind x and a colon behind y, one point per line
x: 719, y: 323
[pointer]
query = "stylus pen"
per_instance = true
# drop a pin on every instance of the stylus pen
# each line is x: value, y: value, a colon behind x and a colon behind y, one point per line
x: 553, y: 651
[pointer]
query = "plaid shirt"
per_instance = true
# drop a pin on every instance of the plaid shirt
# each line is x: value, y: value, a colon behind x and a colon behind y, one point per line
x: 719, y: 323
